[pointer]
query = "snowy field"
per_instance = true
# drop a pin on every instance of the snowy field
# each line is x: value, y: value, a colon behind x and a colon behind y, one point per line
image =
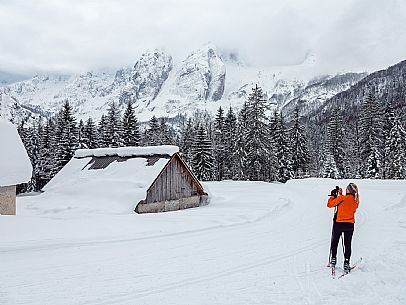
x: 255, y: 243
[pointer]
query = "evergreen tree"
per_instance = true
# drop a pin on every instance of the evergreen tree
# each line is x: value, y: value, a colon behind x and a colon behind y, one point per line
x: 241, y: 144
x: 370, y: 138
x: 203, y: 160
x: 230, y: 142
x: 219, y: 144
x: 103, y: 133
x: 32, y: 147
x: 164, y: 137
x: 131, y: 130
x: 66, y: 136
x: 396, y: 151
x: 299, y: 148
x: 257, y: 139
x: 389, y: 118
x: 187, y: 140
x: 152, y: 134
x: 329, y: 169
x: 46, y: 161
x: 336, y: 134
x: 90, y: 137
x: 81, y: 135
x: 114, y: 126
x: 282, y: 151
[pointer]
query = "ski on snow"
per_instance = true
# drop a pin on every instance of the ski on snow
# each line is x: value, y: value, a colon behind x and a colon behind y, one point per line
x: 353, y: 266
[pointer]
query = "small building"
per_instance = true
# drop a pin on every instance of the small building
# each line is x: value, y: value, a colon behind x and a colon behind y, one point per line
x: 15, y: 166
x: 126, y: 179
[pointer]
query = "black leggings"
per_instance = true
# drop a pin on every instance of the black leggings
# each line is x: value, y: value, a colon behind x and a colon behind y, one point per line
x: 338, y: 228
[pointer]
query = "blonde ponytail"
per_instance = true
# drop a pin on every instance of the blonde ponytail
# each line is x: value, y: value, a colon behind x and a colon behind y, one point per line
x: 356, y: 194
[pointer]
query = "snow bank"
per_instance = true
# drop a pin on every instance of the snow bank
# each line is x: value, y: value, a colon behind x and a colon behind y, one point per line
x: 15, y: 166
x: 128, y: 151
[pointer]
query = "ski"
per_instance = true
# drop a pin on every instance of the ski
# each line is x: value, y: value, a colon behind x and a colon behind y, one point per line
x: 354, y: 266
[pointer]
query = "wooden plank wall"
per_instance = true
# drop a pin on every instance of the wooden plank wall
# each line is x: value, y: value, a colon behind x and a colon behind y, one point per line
x: 174, y: 183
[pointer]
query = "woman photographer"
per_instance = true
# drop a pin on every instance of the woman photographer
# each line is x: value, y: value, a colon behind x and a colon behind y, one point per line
x: 345, y: 206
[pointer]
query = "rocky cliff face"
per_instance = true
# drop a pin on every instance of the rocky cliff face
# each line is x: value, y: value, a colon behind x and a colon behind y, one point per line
x: 150, y: 73
x: 201, y: 76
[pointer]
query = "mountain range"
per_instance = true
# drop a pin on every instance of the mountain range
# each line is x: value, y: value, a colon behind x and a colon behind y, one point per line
x: 205, y: 80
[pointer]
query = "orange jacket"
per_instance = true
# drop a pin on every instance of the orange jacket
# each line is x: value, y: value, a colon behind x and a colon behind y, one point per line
x: 346, y: 207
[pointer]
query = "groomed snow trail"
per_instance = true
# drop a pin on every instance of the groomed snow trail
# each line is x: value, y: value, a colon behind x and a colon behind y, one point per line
x: 255, y: 243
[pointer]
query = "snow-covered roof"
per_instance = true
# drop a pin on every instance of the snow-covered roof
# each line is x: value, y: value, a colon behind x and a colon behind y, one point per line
x: 15, y: 166
x: 128, y: 151
x: 115, y: 188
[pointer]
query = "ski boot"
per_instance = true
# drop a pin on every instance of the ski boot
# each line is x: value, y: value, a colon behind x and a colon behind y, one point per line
x: 333, y: 262
x: 347, y: 267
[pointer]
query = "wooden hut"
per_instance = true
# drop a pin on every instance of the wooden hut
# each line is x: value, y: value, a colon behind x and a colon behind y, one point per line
x: 175, y: 188
x: 151, y: 179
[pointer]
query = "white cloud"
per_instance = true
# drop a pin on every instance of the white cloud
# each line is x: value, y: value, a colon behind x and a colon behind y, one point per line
x: 76, y: 35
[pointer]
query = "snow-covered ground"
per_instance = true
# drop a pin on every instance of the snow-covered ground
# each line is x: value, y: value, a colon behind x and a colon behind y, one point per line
x: 255, y: 243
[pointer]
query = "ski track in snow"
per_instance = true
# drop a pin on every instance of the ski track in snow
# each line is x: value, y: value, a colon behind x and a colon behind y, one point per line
x: 275, y: 253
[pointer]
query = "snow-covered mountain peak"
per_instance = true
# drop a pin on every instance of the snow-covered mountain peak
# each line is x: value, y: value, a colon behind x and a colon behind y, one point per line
x: 201, y: 76
x: 150, y: 73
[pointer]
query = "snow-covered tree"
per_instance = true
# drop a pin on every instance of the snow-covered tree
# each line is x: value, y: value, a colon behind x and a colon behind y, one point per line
x: 299, y: 148
x: 396, y: 151
x: 186, y: 141
x: 114, y: 126
x: 370, y: 138
x: 219, y: 144
x: 90, y: 137
x: 203, y: 160
x: 329, y: 169
x: 152, y: 134
x: 66, y: 136
x: 131, y: 130
x: 103, y: 132
x: 256, y: 136
x: 230, y: 143
x: 282, y: 155
x: 47, y: 155
x: 81, y: 135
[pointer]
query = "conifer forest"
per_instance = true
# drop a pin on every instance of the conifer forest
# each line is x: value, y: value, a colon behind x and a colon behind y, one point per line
x: 251, y: 143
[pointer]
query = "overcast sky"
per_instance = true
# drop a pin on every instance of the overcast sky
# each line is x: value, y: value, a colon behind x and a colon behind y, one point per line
x: 77, y: 35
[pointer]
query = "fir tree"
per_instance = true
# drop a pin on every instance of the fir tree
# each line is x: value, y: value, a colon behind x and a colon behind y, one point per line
x: 32, y: 147
x: 152, y: 134
x: 66, y: 136
x: 187, y: 140
x: 203, y: 160
x: 370, y: 138
x: 81, y: 135
x: 114, y: 126
x: 131, y: 130
x: 90, y: 137
x: 103, y: 133
x: 230, y: 139
x: 164, y: 137
x: 299, y: 148
x: 389, y: 118
x: 282, y: 151
x: 46, y: 160
x: 329, y: 169
x: 219, y: 144
x: 396, y: 151
x: 241, y: 143
x: 257, y: 140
